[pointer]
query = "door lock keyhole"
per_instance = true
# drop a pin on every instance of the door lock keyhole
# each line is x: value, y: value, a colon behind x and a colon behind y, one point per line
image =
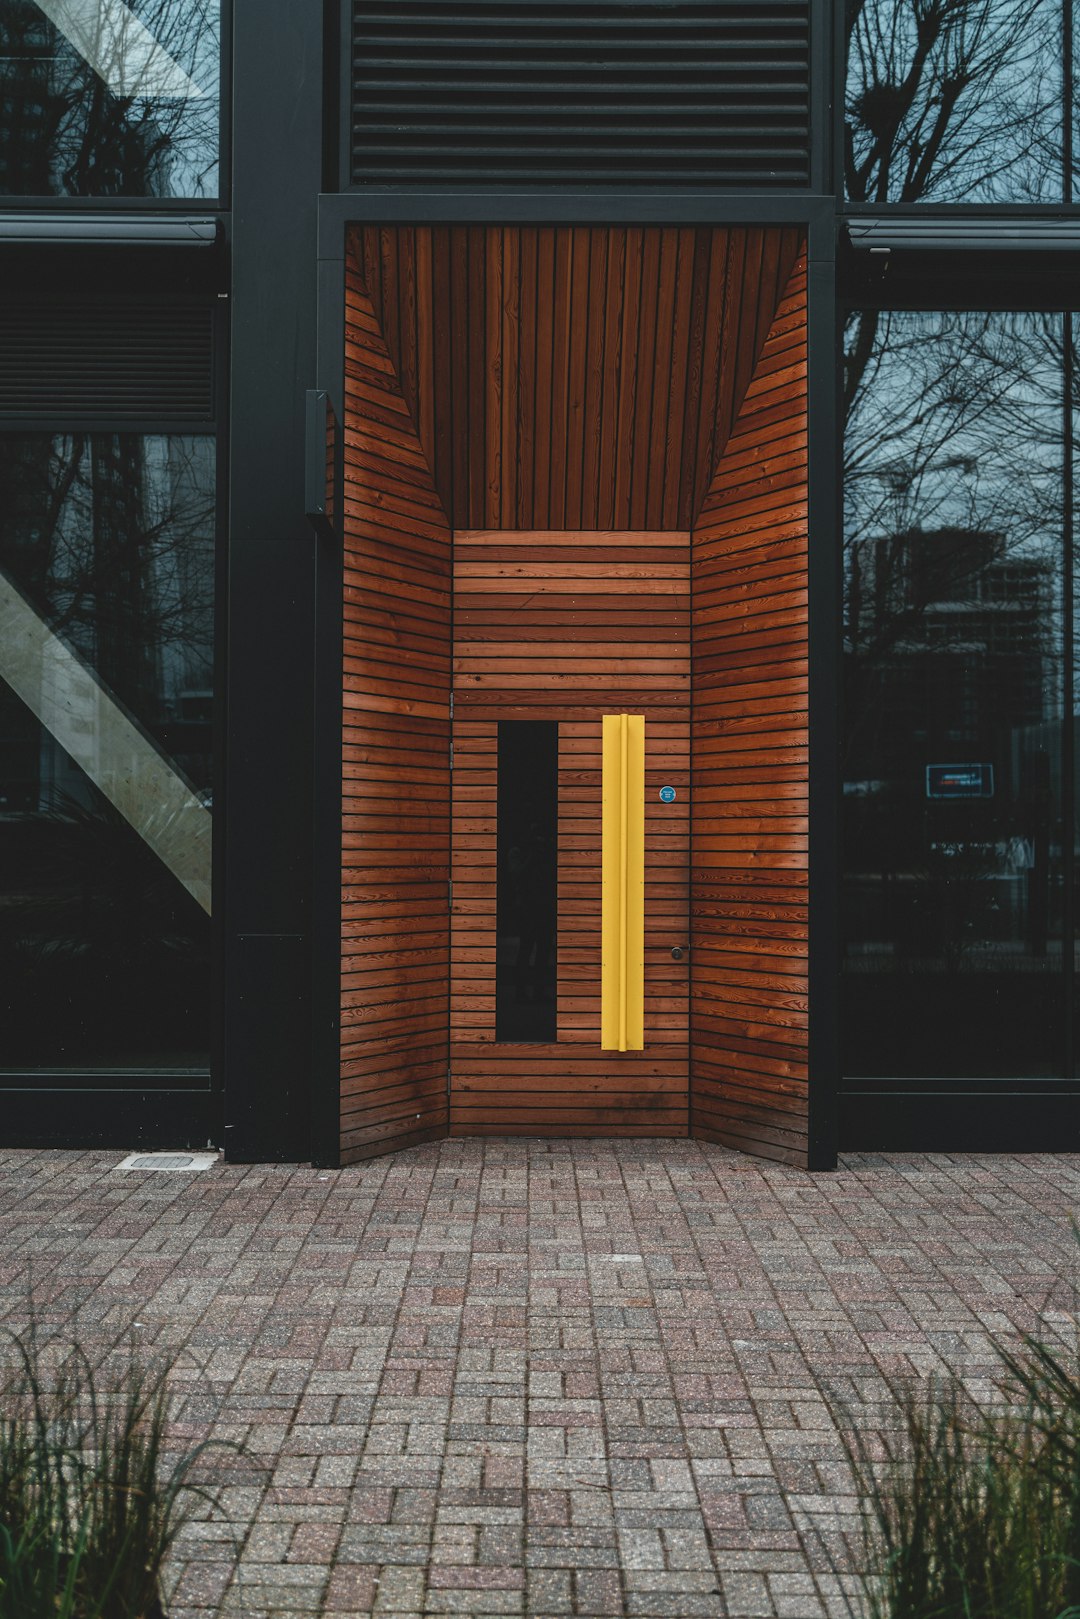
x: 679, y: 951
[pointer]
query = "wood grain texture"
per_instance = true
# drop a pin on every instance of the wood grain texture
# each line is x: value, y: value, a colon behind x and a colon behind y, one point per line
x: 395, y: 756
x: 573, y: 401
x: 567, y: 627
x: 574, y: 378
x: 750, y: 751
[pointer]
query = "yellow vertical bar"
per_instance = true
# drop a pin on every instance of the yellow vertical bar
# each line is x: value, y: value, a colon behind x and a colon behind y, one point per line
x: 624, y: 871
x: 635, y: 883
x: 622, y: 979
x: 610, y: 887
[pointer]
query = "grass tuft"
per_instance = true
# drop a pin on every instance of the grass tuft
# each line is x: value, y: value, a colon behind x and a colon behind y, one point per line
x: 90, y: 1501
x: 973, y: 1512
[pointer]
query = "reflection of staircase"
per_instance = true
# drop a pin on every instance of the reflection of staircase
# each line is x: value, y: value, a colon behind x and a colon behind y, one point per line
x: 69, y: 700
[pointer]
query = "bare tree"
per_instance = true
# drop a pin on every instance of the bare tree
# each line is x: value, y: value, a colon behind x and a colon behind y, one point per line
x: 953, y: 511
x: 77, y: 119
x: 111, y: 535
x: 953, y: 100
x: 950, y: 101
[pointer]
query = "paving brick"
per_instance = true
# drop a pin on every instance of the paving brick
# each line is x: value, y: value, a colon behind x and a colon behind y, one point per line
x: 543, y: 1378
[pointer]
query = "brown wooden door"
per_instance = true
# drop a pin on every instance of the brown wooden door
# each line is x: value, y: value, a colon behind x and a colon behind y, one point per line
x: 567, y: 627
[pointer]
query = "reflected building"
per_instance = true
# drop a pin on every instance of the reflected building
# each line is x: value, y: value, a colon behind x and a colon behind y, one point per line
x: 28, y: 111
x: 955, y: 908
x: 950, y: 650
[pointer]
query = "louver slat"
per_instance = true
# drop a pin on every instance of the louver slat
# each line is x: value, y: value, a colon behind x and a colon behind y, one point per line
x: 701, y: 92
x: 100, y: 361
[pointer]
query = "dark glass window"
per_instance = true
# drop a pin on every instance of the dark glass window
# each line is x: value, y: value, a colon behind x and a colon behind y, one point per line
x: 959, y: 801
x: 106, y: 687
x: 110, y: 98
x: 528, y: 881
x: 959, y: 101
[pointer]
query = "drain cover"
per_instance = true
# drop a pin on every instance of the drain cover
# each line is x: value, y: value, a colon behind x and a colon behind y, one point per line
x: 169, y: 1160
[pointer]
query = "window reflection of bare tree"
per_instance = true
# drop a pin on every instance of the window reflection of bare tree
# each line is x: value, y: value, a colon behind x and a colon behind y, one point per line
x: 954, y: 101
x: 953, y: 482
x: 111, y: 537
x: 954, y: 619
x: 951, y: 101
x: 65, y: 129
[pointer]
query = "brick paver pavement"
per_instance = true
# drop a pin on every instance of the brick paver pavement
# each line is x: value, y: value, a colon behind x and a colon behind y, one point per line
x: 535, y: 1377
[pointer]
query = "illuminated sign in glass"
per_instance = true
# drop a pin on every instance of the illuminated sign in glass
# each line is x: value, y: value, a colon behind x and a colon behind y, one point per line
x: 959, y: 781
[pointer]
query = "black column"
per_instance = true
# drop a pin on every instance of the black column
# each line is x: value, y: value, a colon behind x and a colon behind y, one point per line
x: 277, y: 163
x: 826, y: 522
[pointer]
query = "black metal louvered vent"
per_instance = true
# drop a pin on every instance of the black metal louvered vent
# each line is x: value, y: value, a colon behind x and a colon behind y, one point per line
x: 683, y: 92
x: 104, y: 362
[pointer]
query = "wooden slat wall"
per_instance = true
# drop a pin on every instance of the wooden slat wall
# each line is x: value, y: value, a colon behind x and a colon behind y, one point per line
x: 395, y: 762
x: 589, y: 389
x: 750, y: 742
x: 574, y: 378
x: 568, y: 626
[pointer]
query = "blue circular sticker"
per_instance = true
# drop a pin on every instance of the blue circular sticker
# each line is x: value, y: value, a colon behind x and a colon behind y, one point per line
x: 667, y: 795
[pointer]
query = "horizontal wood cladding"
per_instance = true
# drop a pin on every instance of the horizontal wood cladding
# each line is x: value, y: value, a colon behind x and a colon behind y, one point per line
x: 535, y: 421
x: 569, y: 626
x: 750, y: 752
x: 395, y: 763
x: 683, y: 92
x: 574, y: 378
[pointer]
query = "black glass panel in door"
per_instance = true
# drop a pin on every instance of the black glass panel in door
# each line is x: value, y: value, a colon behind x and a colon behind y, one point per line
x: 527, y: 895
x: 957, y: 685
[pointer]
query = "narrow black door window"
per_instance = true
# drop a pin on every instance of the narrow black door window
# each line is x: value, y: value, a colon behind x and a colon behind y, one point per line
x: 527, y: 895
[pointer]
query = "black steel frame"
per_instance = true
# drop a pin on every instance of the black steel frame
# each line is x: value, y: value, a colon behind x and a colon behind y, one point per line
x: 812, y: 209
x: 825, y: 527
x: 326, y: 822
x: 270, y: 714
x: 543, y: 205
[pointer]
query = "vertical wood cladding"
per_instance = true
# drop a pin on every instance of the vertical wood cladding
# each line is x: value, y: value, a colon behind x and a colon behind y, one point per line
x: 751, y: 746
x: 395, y: 762
x: 570, y: 626
x: 574, y: 378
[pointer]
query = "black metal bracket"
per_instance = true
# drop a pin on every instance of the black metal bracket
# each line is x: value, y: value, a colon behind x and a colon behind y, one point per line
x: 321, y: 448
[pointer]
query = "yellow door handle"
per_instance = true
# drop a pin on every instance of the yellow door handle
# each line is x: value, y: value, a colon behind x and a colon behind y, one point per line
x: 622, y: 973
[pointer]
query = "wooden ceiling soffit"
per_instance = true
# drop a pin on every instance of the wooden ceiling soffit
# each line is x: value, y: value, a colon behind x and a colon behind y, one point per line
x: 570, y: 377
